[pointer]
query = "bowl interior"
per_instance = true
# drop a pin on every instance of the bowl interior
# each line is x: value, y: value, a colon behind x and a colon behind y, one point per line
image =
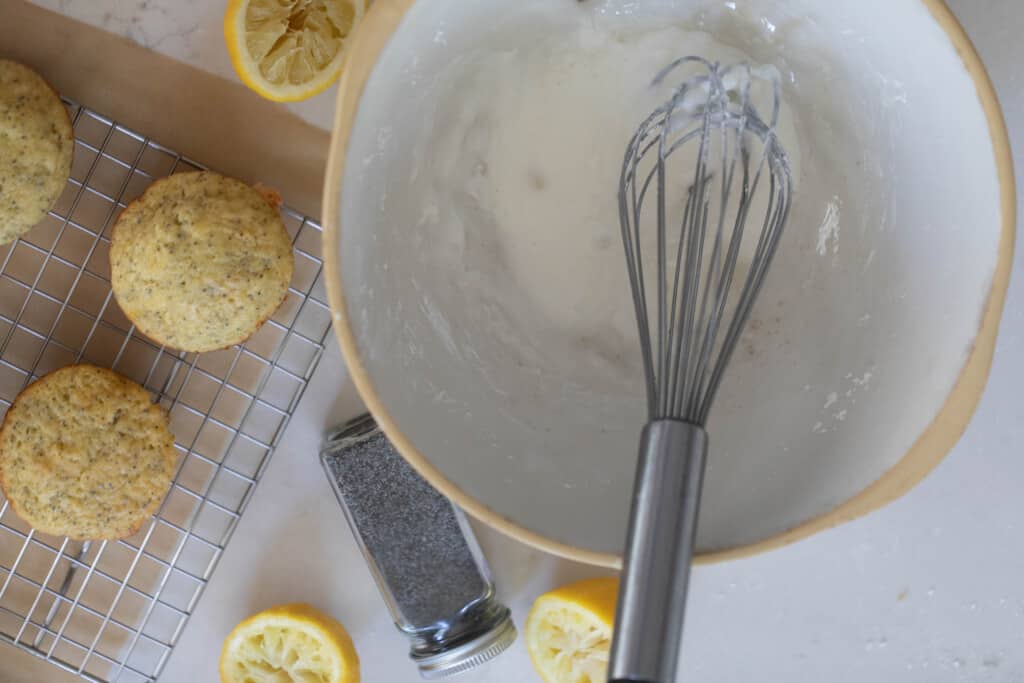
x: 487, y: 294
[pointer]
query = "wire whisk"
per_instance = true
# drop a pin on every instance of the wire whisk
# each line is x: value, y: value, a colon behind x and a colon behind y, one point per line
x: 704, y: 196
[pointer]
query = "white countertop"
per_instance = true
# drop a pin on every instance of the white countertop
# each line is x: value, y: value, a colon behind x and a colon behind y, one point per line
x: 929, y: 589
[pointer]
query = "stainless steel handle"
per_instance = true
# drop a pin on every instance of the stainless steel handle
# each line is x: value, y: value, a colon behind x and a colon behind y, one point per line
x: 659, y: 549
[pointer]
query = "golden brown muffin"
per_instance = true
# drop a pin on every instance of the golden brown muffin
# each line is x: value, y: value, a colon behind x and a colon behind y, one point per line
x: 84, y: 453
x: 36, y: 144
x: 200, y: 261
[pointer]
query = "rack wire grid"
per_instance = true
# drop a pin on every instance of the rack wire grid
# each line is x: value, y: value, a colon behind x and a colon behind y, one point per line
x: 113, y: 610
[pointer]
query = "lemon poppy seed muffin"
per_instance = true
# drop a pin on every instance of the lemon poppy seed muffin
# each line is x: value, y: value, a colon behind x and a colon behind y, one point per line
x: 36, y: 145
x: 200, y: 261
x: 84, y: 453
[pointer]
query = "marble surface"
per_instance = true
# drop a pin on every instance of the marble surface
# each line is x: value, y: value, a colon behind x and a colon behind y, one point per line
x: 927, y: 590
x: 187, y: 30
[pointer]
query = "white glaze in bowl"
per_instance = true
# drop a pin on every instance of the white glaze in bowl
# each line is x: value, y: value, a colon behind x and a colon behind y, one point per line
x: 866, y: 334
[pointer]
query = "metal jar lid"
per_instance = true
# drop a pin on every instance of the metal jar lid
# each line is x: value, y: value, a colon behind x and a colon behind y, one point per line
x: 470, y: 654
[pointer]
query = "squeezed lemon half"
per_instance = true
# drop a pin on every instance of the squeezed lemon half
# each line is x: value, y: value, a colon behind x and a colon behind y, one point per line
x: 286, y: 644
x: 288, y: 50
x: 569, y: 631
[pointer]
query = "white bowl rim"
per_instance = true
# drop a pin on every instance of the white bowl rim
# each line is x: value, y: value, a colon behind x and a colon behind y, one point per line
x: 930, y: 448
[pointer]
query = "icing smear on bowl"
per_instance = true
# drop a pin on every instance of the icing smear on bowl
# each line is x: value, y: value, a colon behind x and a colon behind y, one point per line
x: 516, y: 172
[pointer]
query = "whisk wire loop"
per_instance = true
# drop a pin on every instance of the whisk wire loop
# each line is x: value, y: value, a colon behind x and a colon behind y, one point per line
x: 689, y: 314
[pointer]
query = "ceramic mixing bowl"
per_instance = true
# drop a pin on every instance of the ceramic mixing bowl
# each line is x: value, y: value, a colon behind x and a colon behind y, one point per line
x: 869, y: 345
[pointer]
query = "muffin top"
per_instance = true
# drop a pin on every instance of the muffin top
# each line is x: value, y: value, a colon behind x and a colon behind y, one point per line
x: 36, y: 144
x: 84, y: 453
x: 200, y: 261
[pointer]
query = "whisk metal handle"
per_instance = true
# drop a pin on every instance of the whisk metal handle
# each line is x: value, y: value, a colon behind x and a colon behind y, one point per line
x: 659, y: 549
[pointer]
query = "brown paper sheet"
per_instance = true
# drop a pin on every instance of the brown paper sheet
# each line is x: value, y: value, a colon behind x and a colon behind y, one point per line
x: 213, y: 121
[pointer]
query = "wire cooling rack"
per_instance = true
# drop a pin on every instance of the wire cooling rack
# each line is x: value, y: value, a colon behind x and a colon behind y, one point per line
x: 112, y: 610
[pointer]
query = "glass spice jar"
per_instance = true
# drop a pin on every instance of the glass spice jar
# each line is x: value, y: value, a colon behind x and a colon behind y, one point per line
x: 421, y: 552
